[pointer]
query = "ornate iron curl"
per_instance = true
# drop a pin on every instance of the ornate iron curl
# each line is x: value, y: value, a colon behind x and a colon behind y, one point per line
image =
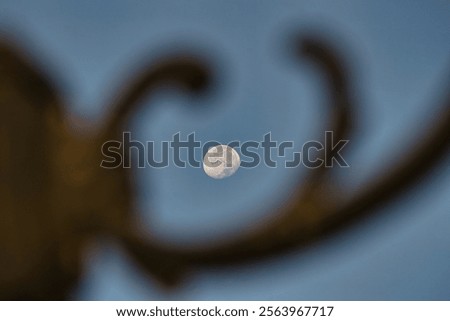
x: 54, y: 196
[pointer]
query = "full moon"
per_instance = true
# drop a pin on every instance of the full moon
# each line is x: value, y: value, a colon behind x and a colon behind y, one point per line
x: 221, y: 161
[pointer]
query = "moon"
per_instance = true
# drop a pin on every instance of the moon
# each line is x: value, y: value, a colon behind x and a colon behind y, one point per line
x: 221, y: 161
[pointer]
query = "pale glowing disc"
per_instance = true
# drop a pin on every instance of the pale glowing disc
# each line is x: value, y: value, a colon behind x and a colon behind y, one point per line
x: 221, y: 161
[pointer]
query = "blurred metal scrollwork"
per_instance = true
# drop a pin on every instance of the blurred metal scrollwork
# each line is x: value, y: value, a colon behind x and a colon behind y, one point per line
x: 54, y: 196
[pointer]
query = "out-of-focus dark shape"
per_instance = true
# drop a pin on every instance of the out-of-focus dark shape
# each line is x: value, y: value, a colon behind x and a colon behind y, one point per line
x: 54, y: 196
x: 37, y: 259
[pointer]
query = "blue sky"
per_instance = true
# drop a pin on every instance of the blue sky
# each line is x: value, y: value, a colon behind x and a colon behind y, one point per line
x: 399, y: 54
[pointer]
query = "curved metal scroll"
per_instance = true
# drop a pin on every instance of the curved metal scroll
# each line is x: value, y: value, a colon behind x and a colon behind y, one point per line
x: 54, y: 196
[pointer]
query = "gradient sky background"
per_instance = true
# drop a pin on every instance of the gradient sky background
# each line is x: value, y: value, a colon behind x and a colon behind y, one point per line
x: 399, y: 53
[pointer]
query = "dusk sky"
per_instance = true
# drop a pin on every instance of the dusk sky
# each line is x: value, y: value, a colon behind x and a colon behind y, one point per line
x: 399, y: 54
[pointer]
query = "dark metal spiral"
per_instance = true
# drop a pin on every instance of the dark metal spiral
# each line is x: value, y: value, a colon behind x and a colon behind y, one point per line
x: 55, y: 198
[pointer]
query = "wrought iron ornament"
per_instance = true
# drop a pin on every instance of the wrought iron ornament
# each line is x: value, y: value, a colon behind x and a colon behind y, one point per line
x: 55, y: 198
